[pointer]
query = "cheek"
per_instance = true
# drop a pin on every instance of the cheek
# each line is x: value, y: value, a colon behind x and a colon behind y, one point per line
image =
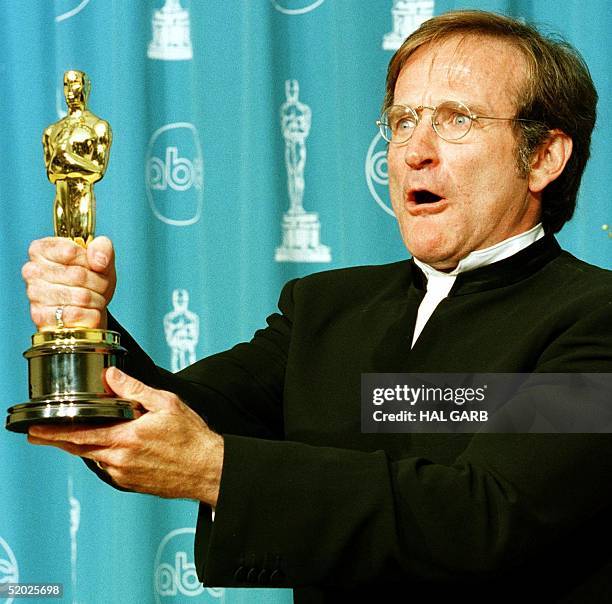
x: 476, y: 182
x: 396, y: 171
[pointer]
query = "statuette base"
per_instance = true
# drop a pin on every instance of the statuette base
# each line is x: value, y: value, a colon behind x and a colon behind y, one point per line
x: 301, y: 239
x: 66, y: 375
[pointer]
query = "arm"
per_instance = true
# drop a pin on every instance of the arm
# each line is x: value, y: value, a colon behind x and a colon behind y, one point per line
x: 342, y: 518
x: 168, y: 450
x: 63, y: 155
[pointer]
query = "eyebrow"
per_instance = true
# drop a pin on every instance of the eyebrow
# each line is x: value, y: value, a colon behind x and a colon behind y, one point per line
x: 477, y: 109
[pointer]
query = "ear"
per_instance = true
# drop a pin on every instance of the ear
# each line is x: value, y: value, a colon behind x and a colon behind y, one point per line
x: 549, y: 160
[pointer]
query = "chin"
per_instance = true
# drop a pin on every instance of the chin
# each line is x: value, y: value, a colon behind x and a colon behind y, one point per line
x: 430, y: 246
x: 441, y: 258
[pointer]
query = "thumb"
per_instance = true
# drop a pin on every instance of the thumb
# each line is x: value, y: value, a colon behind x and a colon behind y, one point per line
x: 133, y: 390
x: 100, y: 254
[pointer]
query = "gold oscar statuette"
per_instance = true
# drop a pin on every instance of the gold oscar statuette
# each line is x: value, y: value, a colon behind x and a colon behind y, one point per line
x: 66, y: 365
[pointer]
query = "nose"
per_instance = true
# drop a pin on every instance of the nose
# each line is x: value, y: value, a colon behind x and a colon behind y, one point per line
x: 421, y: 151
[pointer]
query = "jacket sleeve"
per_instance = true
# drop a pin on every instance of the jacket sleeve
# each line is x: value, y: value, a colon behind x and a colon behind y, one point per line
x: 238, y: 391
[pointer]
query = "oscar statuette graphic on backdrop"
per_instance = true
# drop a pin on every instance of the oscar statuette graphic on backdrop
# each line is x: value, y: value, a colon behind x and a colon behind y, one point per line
x: 66, y: 365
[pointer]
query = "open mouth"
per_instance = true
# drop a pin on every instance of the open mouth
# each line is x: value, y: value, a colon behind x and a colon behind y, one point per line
x: 423, y: 196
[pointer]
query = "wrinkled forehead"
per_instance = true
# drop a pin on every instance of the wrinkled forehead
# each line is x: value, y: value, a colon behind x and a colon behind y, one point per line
x: 468, y: 66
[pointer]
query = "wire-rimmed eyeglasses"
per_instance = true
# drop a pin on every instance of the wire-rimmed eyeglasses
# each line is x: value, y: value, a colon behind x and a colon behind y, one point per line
x: 451, y: 121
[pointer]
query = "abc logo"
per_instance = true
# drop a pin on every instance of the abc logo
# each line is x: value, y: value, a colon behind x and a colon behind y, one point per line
x: 376, y: 173
x: 9, y: 572
x: 175, y: 174
x: 175, y: 576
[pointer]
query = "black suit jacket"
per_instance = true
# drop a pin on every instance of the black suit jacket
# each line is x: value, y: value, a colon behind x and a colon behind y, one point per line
x: 308, y: 501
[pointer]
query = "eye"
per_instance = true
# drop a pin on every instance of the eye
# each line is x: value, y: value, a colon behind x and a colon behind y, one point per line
x: 452, y: 118
x: 459, y: 119
x: 405, y: 124
x: 453, y: 115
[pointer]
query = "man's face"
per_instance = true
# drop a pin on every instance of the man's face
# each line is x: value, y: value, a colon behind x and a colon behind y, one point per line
x: 483, y: 198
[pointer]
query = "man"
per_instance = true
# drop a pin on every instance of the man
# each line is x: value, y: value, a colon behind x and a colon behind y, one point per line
x: 489, y: 126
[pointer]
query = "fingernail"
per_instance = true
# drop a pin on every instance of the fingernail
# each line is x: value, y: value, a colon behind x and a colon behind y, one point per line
x: 101, y: 259
x: 118, y: 375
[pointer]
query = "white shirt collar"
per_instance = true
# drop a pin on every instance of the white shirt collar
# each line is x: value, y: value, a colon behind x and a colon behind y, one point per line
x: 478, y: 258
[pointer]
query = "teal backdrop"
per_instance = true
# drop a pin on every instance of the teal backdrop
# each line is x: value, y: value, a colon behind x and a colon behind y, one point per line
x: 245, y: 153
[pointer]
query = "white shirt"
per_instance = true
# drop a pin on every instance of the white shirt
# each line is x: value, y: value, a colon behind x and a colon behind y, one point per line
x: 439, y: 283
